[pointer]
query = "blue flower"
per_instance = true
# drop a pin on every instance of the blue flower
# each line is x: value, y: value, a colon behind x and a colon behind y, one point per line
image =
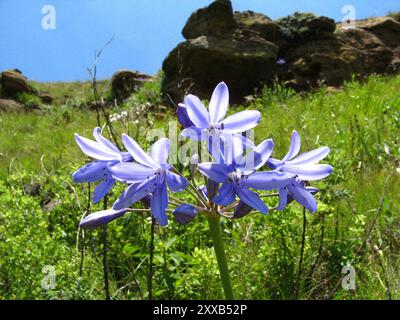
x: 211, y: 123
x: 106, y: 155
x: 238, y: 174
x: 150, y: 174
x: 281, y: 61
x: 302, y: 168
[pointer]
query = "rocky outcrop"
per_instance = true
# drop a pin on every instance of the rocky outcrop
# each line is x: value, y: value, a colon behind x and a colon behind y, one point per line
x: 248, y: 50
x: 14, y: 83
x: 126, y: 82
x: 220, y: 46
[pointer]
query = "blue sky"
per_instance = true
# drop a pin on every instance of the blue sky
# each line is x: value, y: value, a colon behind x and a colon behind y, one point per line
x: 146, y: 30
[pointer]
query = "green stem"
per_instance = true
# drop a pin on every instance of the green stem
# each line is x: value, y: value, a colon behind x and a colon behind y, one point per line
x: 215, y: 228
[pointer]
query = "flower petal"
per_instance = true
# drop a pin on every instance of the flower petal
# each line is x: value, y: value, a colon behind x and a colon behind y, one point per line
x: 216, y: 172
x: 283, y: 199
x: 91, y: 172
x: 184, y: 213
x: 252, y: 199
x: 302, y: 196
x: 176, y: 183
x: 183, y: 118
x: 96, y: 150
x: 134, y: 193
x: 226, y: 194
x: 160, y: 151
x: 137, y: 152
x: 105, y: 142
x: 197, y: 112
x: 294, y: 146
x: 99, y: 218
x: 309, y: 172
x: 211, y: 189
x: 159, y: 204
x: 131, y: 172
x: 310, y: 157
x: 219, y: 103
x: 102, y: 189
x: 267, y: 180
x: 275, y: 164
x: 242, y: 121
x: 259, y: 156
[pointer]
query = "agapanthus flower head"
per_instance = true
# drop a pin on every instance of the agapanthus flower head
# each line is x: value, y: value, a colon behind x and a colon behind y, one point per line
x: 149, y: 174
x: 302, y: 168
x: 107, y: 155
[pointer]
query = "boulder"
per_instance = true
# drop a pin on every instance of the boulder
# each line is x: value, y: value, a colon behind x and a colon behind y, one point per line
x: 9, y: 105
x: 260, y: 24
x: 45, y: 98
x: 126, y: 82
x: 302, y: 26
x: 386, y: 29
x: 14, y: 83
x: 216, y: 20
x: 364, y: 51
x: 229, y: 48
x: 198, y: 65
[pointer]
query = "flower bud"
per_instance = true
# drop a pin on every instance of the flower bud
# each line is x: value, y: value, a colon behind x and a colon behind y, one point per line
x: 241, y: 210
x: 100, y: 218
x: 185, y: 213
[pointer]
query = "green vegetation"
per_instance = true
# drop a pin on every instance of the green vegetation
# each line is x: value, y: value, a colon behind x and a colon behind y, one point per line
x: 395, y: 15
x: 303, y: 25
x: 40, y: 206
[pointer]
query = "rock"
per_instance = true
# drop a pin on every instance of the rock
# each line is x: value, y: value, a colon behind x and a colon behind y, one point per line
x: 248, y: 50
x: 50, y: 205
x: 364, y: 51
x: 32, y: 189
x: 14, y: 83
x: 9, y: 105
x: 302, y: 26
x: 216, y: 20
x: 386, y: 29
x: 234, y: 52
x: 333, y: 61
x: 126, y: 82
x: 259, y: 24
x: 46, y: 98
x: 198, y: 65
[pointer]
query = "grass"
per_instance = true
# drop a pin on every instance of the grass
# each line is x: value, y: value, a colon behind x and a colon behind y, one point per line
x: 361, y: 125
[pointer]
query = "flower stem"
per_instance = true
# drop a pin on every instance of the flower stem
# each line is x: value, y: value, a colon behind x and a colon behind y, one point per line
x: 215, y: 228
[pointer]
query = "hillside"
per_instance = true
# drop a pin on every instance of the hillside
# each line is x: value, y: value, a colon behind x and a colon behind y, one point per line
x: 40, y: 206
